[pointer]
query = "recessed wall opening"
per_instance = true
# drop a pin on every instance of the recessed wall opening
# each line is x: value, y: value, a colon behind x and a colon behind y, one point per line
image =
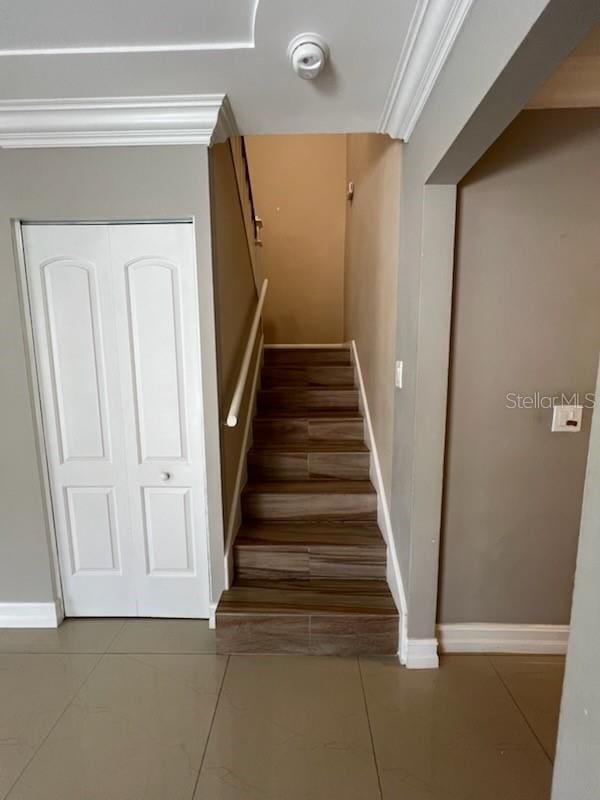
x: 525, y: 338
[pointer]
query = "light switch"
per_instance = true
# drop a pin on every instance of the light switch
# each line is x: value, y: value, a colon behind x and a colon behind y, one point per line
x: 399, y: 374
x: 567, y: 419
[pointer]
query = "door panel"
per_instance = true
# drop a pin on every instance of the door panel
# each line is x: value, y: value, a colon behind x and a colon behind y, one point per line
x: 93, y: 529
x: 115, y: 317
x: 168, y: 531
x: 157, y: 309
x: 156, y: 342
x: 70, y: 293
x: 71, y: 301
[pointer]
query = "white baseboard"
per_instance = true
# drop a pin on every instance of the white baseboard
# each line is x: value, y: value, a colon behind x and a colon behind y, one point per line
x: 235, y: 513
x: 30, y: 615
x: 394, y: 575
x: 422, y: 654
x: 212, y: 616
x: 488, y: 637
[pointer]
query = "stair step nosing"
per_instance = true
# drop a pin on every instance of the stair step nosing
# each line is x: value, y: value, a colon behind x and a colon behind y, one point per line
x: 282, y: 449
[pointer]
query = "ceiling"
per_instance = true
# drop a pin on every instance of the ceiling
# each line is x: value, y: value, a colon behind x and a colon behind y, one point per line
x: 68, y: 26
x: 385, y: 56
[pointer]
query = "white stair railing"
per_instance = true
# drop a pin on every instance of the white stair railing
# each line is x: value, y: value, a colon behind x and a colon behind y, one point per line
x: 238, y: 394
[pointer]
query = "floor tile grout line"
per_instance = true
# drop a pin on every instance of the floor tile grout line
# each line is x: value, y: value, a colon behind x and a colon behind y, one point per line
x: 114, y: 638
x: 210, y: 728
x: 102, y: 653
x: 364, y: 694
x: 60, y: 716
x: 520, y: 710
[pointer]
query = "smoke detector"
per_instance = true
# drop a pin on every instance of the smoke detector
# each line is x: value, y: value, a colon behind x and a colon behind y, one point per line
x: 308, y: 54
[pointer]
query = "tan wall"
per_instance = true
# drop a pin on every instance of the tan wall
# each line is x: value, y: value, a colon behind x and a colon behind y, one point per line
x: 526, y: 319
x: 372, y: 227
x: 299, y: 191
x: 576, y: 83
x: 235, y: 304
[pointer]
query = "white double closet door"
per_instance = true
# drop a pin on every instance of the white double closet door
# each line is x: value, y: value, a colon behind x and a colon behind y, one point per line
x: 116, y: 332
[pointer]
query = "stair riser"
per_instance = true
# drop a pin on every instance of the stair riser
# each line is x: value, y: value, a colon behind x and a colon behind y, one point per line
x: 308, y: 400
x: 333, y: 562
x: 275, y: 377
x: 306, y: 357
x: 303, y: 430
x: 302, y: 466
x: 304, y: 507
x: 339, y: 635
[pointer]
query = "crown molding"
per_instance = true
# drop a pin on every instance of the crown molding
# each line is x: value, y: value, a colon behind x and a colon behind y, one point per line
x: 432, y: 33
x: 225, y: 126
x: 116, y: 121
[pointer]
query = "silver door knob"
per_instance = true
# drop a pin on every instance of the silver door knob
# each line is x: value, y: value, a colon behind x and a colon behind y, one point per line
x: 165, y: 476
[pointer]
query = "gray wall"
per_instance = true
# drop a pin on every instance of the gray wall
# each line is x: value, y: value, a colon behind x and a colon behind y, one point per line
x: 526, y: 319
x: 578, y: 749
x: 110, y: 183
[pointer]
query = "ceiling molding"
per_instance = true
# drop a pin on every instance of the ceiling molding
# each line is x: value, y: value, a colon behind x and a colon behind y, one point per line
x: 225, y: 126
x: 433, y: 30
x: 155, y: 47
x: 116, y: 121
x: 189, y: 47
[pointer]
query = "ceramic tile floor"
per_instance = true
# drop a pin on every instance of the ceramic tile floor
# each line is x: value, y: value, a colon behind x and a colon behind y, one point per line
x: 145, y: 710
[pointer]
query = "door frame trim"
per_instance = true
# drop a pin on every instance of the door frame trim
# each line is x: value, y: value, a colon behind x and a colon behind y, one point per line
x: 38, y: 420
x: 34, y: 386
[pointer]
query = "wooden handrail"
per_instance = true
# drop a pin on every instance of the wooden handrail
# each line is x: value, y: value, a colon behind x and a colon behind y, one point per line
x: 236, y: 401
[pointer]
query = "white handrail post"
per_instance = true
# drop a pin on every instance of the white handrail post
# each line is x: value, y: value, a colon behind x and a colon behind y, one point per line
x: 236, y: 401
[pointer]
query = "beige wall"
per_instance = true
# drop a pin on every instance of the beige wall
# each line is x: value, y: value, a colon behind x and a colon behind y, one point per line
x: 526, y: 319
x: 299, y: 191
x: 372, y: 228
x: 576, y: 83
x: 235, y: 304
x: 87, y: 184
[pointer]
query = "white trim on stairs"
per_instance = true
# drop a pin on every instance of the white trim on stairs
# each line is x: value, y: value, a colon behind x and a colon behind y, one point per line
x: 489, y: 637
x: 31, y: 615
x: 394, y: 575
x: 235, y: 513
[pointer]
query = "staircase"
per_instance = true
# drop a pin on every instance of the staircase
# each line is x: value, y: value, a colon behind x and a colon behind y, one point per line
x: 309, y: 558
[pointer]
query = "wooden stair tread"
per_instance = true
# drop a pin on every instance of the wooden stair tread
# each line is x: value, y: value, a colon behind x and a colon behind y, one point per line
x: 314, y: 597
x: 339, y: 376
x: 311, y: 486
x: 310, y: 414
x: 309, y: 559
x: 306, y: 355
x: 280, y: 445
x: 294, y: 391
x: 309, y: 534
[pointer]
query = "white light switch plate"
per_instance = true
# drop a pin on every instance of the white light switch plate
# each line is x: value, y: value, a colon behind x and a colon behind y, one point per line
x: 567, y: 419
x: 399, y: 374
